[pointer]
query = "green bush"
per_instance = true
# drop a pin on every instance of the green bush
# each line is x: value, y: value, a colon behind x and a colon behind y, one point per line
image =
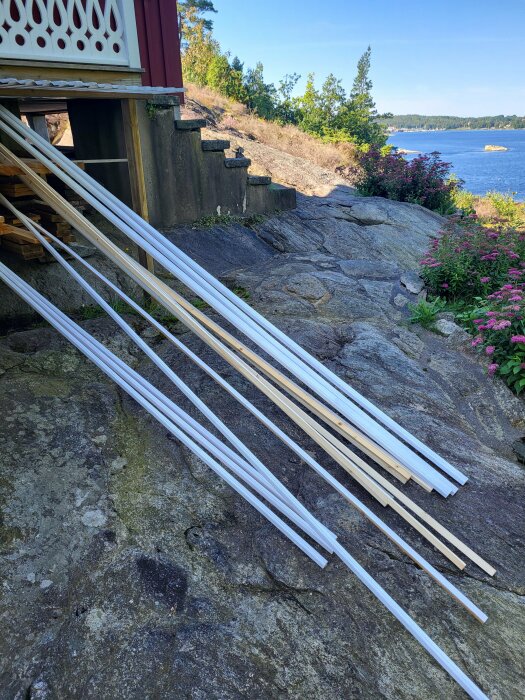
x: 512, y: 212
x: 464, y: 200
x: 221, y: 77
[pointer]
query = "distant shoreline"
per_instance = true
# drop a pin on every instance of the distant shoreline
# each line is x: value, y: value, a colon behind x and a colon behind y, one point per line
x: 459, y: 128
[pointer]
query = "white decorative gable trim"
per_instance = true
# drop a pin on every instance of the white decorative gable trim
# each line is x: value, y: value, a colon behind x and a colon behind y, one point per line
x: 77, y: 31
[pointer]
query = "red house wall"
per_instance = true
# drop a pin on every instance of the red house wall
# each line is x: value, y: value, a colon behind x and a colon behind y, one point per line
x: 158, y: 35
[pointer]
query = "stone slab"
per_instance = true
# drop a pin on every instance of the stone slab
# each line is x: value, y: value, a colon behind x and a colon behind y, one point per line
x: 259, y: 180
x: 190, y: 124
x: 215, y: 145
x: 237, y: 162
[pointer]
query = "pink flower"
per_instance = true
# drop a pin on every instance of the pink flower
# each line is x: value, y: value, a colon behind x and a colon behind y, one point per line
x: 492, y: 369
x: 518, y: 339
x: 490, y: 349
x: 500, y: 325
x: 484, y: 280
x: 476, y: 341
x: 444, y: 285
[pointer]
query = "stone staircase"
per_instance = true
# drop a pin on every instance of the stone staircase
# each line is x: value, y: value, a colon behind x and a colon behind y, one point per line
x: 203, y: 181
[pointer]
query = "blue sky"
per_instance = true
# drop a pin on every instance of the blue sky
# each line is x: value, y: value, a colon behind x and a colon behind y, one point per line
x: 460, y: 57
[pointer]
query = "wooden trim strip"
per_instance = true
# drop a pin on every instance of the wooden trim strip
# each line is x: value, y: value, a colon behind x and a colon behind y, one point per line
x: 281, y: 435
x: 320, y: 385
x: 89, y: 349
x: 170, y: 299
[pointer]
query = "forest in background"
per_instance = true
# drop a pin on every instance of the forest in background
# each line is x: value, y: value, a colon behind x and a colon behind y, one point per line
x: 420, y: 121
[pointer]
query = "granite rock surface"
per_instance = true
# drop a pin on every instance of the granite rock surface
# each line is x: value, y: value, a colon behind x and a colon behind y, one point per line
x: 130, y: 570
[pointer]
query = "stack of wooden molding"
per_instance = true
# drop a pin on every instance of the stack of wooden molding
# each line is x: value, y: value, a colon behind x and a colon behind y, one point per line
x: 16, y: 238
x: 373, y: 449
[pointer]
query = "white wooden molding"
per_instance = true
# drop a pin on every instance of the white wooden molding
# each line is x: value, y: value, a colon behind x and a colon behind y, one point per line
x: 71, y: 31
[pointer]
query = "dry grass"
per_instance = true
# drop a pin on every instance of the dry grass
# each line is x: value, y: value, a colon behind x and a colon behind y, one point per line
x: 217, y: 104
x: 290, y: 139
x: 235, y: 117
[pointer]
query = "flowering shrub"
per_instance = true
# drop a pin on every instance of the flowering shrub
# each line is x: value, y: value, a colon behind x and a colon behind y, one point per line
x: 500, y: 331
x: 469, y: 260
x: 423, y: 180
x: 483, y: 270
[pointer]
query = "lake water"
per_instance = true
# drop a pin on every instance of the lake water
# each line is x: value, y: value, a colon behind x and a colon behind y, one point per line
x: 482, y: 170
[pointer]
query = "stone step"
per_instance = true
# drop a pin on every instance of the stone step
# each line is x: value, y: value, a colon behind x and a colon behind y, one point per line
x: 215, y: 145
x: 261, y: 200
x: 237, y: 162
x: 190, y: 124
x: 165, y: 101
x: 259, y: 180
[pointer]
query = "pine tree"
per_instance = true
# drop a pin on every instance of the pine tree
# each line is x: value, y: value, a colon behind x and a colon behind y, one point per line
x: 360, y: 114
x: 224, y: 78
x: 362, y: 87
x: 200, y: 49
x: 237, y: 64
x: 192, y: 21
